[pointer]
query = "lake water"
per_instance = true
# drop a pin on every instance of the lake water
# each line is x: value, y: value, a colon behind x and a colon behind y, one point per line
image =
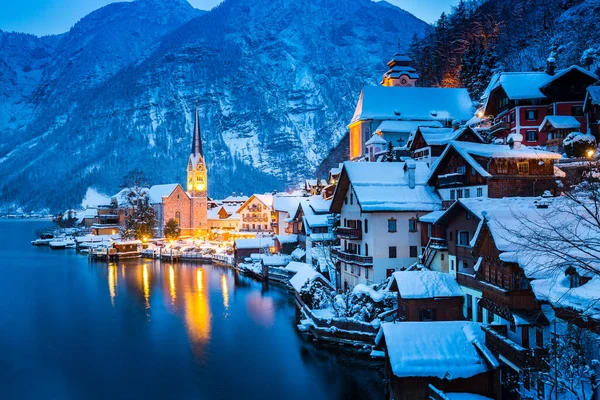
x: 73, y: 329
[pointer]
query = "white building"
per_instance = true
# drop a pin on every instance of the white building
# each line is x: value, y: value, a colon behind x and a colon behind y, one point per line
x: 379, y: 205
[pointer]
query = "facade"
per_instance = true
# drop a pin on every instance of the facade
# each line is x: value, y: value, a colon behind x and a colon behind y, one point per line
x: 591, y: 108
x: 378, y: 206
x: 474, y: 170
x: 397, y: 108
x: 428, y: 144
x: 519, y: 102
x: 257, y: 214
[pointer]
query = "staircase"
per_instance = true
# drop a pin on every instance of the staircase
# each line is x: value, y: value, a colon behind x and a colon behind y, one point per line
x: 433, y: 246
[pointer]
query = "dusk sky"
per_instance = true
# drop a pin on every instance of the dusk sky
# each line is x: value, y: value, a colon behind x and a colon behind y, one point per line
x: 43, y: 17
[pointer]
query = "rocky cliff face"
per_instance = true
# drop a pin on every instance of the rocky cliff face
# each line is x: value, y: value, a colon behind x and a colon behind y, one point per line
x: 276, y: 82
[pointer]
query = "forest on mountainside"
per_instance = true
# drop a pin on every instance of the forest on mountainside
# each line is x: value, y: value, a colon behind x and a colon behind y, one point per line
x: 478, y: 38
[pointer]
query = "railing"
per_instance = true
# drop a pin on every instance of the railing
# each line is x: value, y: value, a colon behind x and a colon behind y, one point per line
x: 352, y: 258
x: 523, y: 358
x: 431, y: 250
x: 499, y: 127
x: 452, y: 179
x: 468, y: 281
x: 349, y: 233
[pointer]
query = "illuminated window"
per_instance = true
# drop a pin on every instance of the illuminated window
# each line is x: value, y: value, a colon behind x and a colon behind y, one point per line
x: 523, y: 167
x: 502, y: 167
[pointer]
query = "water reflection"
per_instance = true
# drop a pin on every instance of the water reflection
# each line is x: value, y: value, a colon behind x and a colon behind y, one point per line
x: 260, y: 309
x: 197, y: 312
x: 112, y: 282
x: 225, y: 291
x: 146, y: 285
x: 172, y: 287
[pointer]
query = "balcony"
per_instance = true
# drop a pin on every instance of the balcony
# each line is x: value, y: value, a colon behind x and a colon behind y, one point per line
x: 353, y: 258
x: 500, y: 345
x: 500, y: 128
x: 455, y: 178
x: 349, y: 233
x: 469, y: 280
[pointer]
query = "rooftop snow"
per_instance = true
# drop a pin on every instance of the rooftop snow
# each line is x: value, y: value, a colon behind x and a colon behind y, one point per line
x: 375, y: 139
x: 432, y: 217
x: 384, y: 187
x: 413, y: 103
x: 286, y: 204
x: 157, y: 192
x: 561, y: 122
x: 285, y: 239
x: 305, y: 274
x: 406, y: 126
x: 254, y: 243
x: 426, y: 284
x: 593, y: 92
x: 441, y: 349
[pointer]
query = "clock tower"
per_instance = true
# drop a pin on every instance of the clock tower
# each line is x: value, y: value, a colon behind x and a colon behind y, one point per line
x: 401, y: 71
x: 197, y: 181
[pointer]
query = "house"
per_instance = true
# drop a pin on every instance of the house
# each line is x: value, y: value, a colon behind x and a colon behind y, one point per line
x: 285, y: 207
x: 449, y: 355
x: 427, y: 296
x: 378, y: 206
x: 490, y: 170
x: 107, y: 220
x: 224, y: 218
x: 257, y: 214
x: 160, y: 195
x: 397, y: 108
x: 591, y: 108
x: 427, y: 144
x: 244, y: 248
x: 519, y: 102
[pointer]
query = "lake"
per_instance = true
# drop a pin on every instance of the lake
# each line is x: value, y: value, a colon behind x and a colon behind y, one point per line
x: 142, y: 329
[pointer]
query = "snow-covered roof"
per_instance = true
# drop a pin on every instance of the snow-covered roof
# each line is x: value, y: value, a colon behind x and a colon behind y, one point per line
x: 426, y: 284
x: 266, y: 199
x: 441, y: 349
x: 286, y: 204
x: 432, y: 217
x: 375, y: 139
x: 592, y: 95
x: 285, y: 239
x: 441, y: 137
x: 157, y: 192
x: 122, y: 198
x: 276, y: 260
x: 528, y: 85
x: 319, y: 205
x: 295, y: 266
x: 413, y: 103
x: 316, y: 220
x: 305, y: 274
x: 405, y: 126
x: 556, y: 290
x: 560, y: 122
x: 385, y: 187
x: 235, y: 199
x: 254, y: 243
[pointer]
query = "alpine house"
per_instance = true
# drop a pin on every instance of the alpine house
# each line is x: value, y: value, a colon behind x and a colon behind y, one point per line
x: 379, y: 204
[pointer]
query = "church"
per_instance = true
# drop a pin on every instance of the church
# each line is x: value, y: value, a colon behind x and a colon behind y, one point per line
x: 188, y: 207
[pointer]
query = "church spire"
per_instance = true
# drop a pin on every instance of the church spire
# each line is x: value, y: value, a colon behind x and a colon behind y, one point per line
x: 197, y: 141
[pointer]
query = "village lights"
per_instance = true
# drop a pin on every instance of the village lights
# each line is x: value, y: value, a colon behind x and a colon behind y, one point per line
x: 590, y: 153
x: 479, y: 114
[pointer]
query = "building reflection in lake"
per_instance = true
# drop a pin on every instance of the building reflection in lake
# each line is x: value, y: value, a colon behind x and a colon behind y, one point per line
x: 260, y: 309
x: 112, y: 282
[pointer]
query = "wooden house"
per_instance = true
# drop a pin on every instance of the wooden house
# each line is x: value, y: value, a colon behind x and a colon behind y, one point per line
x: 427, y: 144
x: 591, y: 108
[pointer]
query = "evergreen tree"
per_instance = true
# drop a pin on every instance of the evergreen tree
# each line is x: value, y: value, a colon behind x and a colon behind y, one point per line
x: 389, y: 155
x: 172, y: 229
x: 140, y: 220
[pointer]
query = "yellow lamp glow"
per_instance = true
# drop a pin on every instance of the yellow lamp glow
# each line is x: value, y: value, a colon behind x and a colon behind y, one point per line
x: 590, y: 153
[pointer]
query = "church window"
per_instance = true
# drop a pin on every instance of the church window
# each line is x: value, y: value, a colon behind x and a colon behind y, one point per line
x: 178, y: 217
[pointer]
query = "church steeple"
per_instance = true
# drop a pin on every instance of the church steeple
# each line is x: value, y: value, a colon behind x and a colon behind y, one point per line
x: 197, y: 140
x: 401, y: 71
x: 196, y: 168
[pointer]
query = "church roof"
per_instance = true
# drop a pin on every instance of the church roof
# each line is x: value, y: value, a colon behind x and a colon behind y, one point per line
x: 197, y: 138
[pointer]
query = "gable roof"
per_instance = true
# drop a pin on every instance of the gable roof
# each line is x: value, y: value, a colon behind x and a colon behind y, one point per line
x: 266, y: 199
x: 443, y: 136
x: 442, y: 349
x: 406, y: 126
x: 157, y: 192
x: 560, y: 122
x: 385, y: 187
x: 467, y: 150
x: 426, y: 284
x: 413, y: 103
x: 592, y: 96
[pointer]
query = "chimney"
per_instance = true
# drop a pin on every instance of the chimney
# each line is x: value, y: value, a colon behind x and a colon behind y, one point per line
x: 551, y: 64
x: 233, y: 194
x: 410, y: 168
x: 514, y: 141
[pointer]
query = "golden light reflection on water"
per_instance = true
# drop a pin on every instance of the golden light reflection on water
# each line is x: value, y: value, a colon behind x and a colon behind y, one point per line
x: 199, y: 275
x: 112, y: 282
x: 172, y: 287
x: 146, y: 285
x: 197, y: 311
x: 225, y: 291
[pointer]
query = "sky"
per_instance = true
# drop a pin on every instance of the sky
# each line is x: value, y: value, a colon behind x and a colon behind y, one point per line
x: 44, y: 17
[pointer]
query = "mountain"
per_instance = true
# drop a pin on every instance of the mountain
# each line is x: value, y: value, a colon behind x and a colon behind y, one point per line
x: 276, y: 83
x: 479, y: 38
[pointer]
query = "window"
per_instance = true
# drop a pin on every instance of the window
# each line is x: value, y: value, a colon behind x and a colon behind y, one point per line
x: 511, y: 117
x: 366, y: 273
x: 392, y: 225
x: 577, y: 111
x: 461, y: 170
x: 451, y: 236
x: 366, y: 226
x: 366, y: 249
x: 351, y: 269
x: 532, y: 136
x: 531, y: 115
x: 413, y: 251
x: 345, y: 267
x: 502, y: 167
x: 512, y: 327
x: 412, y: 225
x: 403, y: 312
x: 459, y: 194
x: 392, y: 252
x: 463, y: 238
x: 442, y: 256
x: 468, y: 215
x: 490, y: 317
x: 523, y: 167
x: 426, y: 314
x: 351, y: 198
x: 479, y: 192
x: 178, y: 218
x: 452, y: 194
x: 539, y: 337
x: 451, y: 265
x: 346, y: 200
x: 503, y: 102
x: 467, y: 193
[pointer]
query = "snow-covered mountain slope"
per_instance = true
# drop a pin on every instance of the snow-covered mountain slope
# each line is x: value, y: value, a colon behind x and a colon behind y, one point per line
x: 276, y: 82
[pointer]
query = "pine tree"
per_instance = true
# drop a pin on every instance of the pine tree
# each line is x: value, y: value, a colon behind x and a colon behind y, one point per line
x: 140, y: 220
x: 389, y: 155
x: 172, y: 229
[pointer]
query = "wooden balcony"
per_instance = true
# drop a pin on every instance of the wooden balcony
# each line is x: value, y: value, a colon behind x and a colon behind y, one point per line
x: 452, y: 179
x: 464, y: 251
x: 349, y: 233
x: 510, y: 299
x: 353, y: 258
x: 500, y: 345
x: 500, y: 128
x: 469, y: 280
